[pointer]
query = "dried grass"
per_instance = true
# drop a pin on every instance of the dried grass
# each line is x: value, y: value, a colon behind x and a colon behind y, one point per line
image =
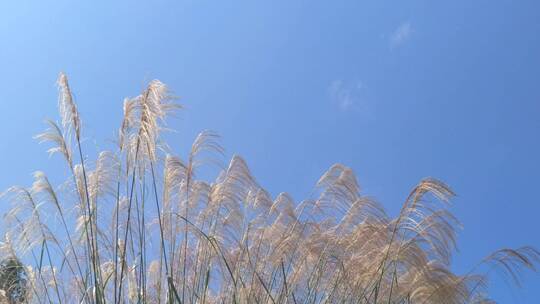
x: 140, y: 227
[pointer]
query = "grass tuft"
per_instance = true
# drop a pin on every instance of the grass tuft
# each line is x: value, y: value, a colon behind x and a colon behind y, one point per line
x: 138, y: 225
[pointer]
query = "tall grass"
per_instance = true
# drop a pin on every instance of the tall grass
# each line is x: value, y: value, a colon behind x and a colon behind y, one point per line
x: 137, y: 225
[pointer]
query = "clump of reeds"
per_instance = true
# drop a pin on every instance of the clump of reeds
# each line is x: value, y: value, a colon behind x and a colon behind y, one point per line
x: 137, y: 225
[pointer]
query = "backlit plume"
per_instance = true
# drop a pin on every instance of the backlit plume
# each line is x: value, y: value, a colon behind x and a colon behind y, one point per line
x: 138, y: 224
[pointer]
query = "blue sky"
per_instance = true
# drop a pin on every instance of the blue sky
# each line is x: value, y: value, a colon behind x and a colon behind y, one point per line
x: 397, y: 90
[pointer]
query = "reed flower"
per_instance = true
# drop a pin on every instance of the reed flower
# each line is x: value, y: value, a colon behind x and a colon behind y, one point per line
x: 139, y: 225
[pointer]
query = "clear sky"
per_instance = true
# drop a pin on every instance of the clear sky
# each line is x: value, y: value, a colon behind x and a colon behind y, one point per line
x: 397, y: 90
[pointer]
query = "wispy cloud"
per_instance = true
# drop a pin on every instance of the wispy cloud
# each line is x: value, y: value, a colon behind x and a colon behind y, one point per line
x: 349, y: 96
x: 341, y: 94
x: 401, y: 34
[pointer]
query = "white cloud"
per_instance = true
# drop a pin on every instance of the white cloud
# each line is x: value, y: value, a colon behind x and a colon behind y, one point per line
x: 350, y: 96
x: 341, y: 94
x: 401, y: 34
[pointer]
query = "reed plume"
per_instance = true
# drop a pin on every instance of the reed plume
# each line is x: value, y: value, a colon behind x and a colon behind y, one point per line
x: 138, y: 225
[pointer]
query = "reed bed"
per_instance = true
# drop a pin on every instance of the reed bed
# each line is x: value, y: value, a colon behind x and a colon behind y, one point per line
x: 137, y: 225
